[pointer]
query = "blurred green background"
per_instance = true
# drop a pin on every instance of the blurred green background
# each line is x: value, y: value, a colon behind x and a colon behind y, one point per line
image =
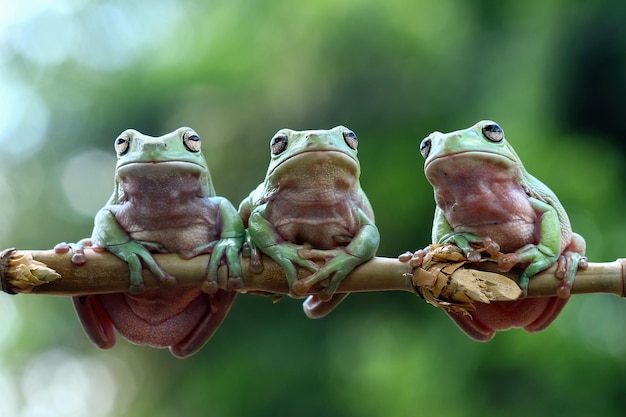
x: 76, y: 73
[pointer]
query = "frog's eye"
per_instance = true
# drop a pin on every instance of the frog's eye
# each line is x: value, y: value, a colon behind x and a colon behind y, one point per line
x: 425, y: 147
x: 351, y: 139
x: 493, y: 132
x: 122, y: 144
x: 278, y: 143
x: 191, y: 140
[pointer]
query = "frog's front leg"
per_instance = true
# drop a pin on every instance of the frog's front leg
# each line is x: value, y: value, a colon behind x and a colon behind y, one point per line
x: 109, y: 234
x: 572, y: 258
x: 285, y: 254
x: 342, y: 260
x: 541, y: 255
x: 226, y: 248
x: 470, y: 244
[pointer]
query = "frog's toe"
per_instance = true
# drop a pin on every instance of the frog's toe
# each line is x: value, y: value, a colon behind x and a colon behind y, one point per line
x: 325, y: 295
x: 235, y: 283
x: 256, y: 262
x: 137, y: 288
x: 491, y: 246
x: 507, y: 262
x: 473, y: 255
x: 300, y: 288
x: 62, y: 247
x: 167, y: 280
x: 209, y: 287
x: 564, y: 290
x: 186, y: 254
x: 79, y: 258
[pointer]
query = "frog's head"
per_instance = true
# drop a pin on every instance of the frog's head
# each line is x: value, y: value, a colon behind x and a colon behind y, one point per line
x: 294, y: 152
x: 179, y: 152
x: 483, y: 142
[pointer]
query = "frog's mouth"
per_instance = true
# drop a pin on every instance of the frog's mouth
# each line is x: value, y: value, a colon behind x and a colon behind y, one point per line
x: 466, y: 159
x: 318, y: 163
x: 159, y: 168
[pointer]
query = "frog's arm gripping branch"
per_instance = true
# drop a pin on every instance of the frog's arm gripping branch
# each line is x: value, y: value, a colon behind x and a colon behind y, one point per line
x: 47, y: 272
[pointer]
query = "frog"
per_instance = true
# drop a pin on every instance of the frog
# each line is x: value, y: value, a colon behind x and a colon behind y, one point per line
x: 163, y: 202
x: 311, y: 206
x: 487, y: 202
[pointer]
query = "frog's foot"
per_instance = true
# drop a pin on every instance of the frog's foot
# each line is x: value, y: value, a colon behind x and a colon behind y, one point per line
x: 472, y: 245
x: 415, y: 259
x: 288, y: 256
x: 224, y: 251
x: 538, y: 258
x: 567, y: 266
x: 338, y: 265
x: 77, y: 249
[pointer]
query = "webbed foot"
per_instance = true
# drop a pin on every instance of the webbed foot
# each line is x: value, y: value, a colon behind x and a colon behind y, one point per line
x: 137, y: 255
x: 339, y: 264
x: 472, y: 245
x: 288, y: 256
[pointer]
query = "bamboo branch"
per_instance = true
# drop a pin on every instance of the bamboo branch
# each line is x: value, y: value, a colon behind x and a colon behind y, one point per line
x: 26, y: 272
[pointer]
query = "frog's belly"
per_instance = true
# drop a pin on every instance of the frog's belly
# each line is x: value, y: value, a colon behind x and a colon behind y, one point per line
x: 325, y: 236
x: 177, y: 239
x: 510, y: 235
x: 322, y: 225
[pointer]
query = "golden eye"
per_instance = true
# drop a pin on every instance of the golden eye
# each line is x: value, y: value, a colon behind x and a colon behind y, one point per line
x: 492, y: 132
x: 278, y: 143
x: 425, y: 147
x: 122, y: 144
x: 192, y: 141
x: 351, y: 139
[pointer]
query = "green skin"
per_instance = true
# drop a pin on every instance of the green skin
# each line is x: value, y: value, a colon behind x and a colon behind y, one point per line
x: 486, y: 200
x: 164, y: 202
x: 311, y: 206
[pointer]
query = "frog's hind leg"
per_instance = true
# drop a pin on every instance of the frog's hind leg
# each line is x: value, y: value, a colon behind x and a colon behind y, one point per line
x: 95, y: 321
x: 553, y: 307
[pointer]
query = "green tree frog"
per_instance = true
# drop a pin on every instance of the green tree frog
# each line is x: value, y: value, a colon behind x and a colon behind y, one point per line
x: 484, y: 195
x: 311, y: 206
x: 163, y: 201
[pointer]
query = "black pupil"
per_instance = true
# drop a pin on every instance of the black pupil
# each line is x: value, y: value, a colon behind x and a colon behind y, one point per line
x: 194, y: 138
x: 493, y: 128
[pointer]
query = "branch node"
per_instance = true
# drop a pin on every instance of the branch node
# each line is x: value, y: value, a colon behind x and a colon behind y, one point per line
x: 19, y: 272
x: 450, y: 286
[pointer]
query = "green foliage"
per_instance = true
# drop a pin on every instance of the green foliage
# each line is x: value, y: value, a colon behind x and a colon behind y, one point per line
x: 551, y: 73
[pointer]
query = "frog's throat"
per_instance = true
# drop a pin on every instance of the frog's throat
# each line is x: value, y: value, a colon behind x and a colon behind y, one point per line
x: 474, y: 155
x: 340, y: 155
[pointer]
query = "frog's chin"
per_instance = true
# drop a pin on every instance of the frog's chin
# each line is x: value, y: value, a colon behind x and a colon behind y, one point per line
x: 153, y: 319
